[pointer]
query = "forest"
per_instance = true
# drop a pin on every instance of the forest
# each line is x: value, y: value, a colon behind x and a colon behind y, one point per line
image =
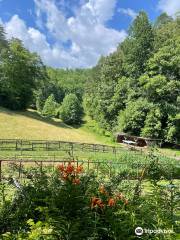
x: 58, y: 179
x: 133, y: 90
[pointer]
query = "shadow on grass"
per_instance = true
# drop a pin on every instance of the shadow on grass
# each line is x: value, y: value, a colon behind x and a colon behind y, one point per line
x: 36, y: 116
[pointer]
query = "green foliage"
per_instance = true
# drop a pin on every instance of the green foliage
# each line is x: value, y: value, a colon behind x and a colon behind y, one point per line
x: 136, y: 89
x: 66, y: 82
x: 132, y: 119
x: 173, y: 129
x: 163, y: 19
x: 71, y: 111
x: 99, y: 94
x: 50, y: 107
x: 22, y: 72
x: 152, y: 127
x: 58, y: 206
x: 138, y: 46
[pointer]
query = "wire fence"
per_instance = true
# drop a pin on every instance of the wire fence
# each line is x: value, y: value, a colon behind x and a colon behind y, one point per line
x: 22, y: 168
x: 17, y: 156
x: 43, y: 145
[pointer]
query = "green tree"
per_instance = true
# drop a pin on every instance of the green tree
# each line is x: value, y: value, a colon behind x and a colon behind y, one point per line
x: 131, y: 120
x: 138, y: 47
x: 153, y: 126
x: 173, y: 129
x: 50, y: 107
x: 3, y: 41
x: 165, y: 31
x: 71, y: 110
x: 101, y: 89
x: 22, y: 73
x: 163, y: 19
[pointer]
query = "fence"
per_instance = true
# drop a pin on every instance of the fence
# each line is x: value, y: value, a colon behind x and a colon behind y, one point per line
x: 130, y: 171
x: 18, y: 168
x: 35, y: 145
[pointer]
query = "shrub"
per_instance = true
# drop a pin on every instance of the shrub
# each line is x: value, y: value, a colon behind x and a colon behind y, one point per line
x: 71, y: 110
x: 153, y: 125
x: 50, y: 107
x: 75, y: 205
x: 132, y: 119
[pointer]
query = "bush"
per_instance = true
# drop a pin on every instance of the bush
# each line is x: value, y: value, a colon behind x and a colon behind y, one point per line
x: 71, y: 204
x: 131, y: 120
x: 50, y: 107
x: 71, y: 110
x: 153, y: 125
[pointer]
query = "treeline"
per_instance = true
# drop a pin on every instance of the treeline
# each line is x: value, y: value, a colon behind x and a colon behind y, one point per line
x: 136, y: 89
x: 62, y: 94
x: 21, y: 72
x: 25, y: 82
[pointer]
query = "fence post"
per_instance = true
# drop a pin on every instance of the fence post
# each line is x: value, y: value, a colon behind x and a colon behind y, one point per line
x: 110, y: 168
x: 103, y: 149
x: 47, y: 146
x: 98, y: 167
x: 20, y: 169
x: 88, y: 164
x: 0, y: 170
x: 72, y: 149
x: 41, y: 167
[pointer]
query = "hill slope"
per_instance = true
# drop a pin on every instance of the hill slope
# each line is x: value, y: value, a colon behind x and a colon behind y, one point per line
x: 30, y: 125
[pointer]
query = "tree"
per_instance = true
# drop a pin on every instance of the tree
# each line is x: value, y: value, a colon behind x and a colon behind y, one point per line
x: 136, y: 88
x: 131, y: 120
x: 173, y: 129
x: 164, y: 32
x: 3, y: 41
x: 163, y: 19
x: 71, y: 111
x: 3, y: 49
x: 50, y: 107
x: 153, y: 126
x: 22, y: 72
x: 138, y: 47
x: 102, y: 88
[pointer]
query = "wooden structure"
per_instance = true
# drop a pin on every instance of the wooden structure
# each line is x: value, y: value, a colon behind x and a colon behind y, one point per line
x: 140, y: 141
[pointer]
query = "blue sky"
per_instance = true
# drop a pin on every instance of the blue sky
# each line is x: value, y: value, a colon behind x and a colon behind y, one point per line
x: 75, y: 33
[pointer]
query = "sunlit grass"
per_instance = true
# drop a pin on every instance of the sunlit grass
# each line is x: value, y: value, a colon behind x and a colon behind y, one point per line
x: 30, y: 125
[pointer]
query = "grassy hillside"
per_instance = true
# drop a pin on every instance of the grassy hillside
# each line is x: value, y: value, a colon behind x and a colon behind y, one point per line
x: 30, y: 125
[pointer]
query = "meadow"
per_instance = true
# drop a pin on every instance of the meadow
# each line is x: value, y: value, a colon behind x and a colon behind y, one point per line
x: 31, y: 125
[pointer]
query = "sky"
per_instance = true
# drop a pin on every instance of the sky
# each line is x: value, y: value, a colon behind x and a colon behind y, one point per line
x: 75, y: 33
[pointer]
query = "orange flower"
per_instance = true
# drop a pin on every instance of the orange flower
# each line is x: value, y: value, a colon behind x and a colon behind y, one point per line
x: 100, y: 203
x: 119, y: 196
x: 93, y: 201
x: 79, y: 169
x: 126, y: 201
x: 76, y: 181
x: 69, y: 168
x: 102, y: 190
x: 65, y: 176
x: 60, y: 167
x: 111, y: 202
x: 96, y: 202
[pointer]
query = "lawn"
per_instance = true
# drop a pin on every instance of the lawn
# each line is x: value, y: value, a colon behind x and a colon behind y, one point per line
x: 30, y: 125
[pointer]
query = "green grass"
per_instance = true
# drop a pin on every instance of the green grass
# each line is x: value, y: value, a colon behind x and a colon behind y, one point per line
x: 170, y: 152
x: 30, y: 125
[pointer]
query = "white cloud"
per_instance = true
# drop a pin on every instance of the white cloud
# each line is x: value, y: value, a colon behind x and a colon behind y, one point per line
x: 128, y: 11
x: 171, y: 7
x: 86, y: 31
